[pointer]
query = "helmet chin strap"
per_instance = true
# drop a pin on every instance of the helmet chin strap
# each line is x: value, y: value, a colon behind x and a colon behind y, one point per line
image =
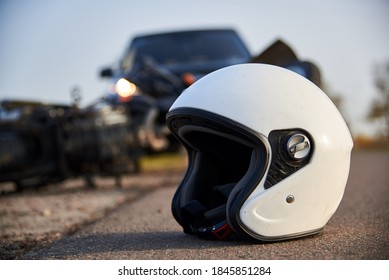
x: 220, y: 231
x: 208, y: 223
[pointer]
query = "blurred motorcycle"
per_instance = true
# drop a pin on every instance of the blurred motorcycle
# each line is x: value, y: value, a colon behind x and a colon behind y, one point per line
x: 46, y: 143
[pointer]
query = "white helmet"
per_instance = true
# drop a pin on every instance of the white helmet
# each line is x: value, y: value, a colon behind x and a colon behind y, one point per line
x: 268, y: 154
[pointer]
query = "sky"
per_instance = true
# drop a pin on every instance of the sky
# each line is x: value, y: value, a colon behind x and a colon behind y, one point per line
x: 48, y: 47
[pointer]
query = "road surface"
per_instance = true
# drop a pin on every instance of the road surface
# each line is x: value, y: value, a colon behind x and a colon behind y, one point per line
x: 143, y: 227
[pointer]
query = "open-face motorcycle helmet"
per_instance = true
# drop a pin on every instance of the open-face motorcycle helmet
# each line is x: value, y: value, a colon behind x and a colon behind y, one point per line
x: 268, y: 155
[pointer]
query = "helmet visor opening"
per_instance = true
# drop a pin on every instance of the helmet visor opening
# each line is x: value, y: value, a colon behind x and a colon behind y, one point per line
x: 226, y: 162
x: 217, y: 162
x: 224, y: 159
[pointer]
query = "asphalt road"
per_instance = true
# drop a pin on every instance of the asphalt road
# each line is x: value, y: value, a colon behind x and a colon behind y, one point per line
x: 145, y: 229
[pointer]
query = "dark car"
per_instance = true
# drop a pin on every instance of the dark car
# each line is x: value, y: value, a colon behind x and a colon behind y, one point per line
x: 197, y: 51
x: 156, y: 68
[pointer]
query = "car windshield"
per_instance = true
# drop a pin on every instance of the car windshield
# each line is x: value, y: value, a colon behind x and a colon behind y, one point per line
x: 197, y: 47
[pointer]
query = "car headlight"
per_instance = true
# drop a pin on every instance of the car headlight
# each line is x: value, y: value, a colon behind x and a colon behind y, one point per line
x: 125, y: 88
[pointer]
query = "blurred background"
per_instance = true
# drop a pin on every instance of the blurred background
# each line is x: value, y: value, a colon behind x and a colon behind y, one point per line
x: 49, y: 47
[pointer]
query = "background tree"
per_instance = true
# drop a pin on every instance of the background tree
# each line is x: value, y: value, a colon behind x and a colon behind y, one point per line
x: 379, y: 109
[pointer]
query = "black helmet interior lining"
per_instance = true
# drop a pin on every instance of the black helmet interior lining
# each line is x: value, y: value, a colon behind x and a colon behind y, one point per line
x: 225, y: 163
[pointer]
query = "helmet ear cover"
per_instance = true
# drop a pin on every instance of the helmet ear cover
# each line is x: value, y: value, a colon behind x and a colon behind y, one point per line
x: 226, y: 162
x: 283, y: 162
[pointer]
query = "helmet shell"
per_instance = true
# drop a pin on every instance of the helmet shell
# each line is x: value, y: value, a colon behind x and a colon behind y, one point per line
x: 265, y: 98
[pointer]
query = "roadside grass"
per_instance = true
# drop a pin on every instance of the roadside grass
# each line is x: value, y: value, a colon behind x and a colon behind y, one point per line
x: 164, y: 162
